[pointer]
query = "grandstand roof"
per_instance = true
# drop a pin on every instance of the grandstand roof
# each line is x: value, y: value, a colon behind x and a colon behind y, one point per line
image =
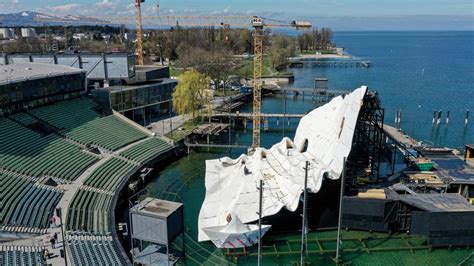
x: 28, y: 71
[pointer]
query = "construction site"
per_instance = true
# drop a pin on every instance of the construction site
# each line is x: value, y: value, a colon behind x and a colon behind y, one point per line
x: 99, y: 167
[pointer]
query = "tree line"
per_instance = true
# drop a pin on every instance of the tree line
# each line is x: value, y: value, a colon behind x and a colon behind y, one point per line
x: 317, y: 39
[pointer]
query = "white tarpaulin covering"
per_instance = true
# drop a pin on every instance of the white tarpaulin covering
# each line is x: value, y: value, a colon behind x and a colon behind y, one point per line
x: 323, y: 137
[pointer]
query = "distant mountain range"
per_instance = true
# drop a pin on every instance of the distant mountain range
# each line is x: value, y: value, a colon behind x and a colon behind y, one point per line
x: 35, y: 19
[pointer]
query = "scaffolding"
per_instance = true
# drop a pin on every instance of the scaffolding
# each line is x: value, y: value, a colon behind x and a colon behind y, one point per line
x: 368, y: 146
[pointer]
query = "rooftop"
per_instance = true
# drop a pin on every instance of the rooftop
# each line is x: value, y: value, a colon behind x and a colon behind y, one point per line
x: 453, y: 169
x: 118, y: 88
x: 445, y: 202
x: 29, y: 71
x: 157, y: 207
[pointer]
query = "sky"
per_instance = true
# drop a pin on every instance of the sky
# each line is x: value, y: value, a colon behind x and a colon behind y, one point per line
x: 339, y: 14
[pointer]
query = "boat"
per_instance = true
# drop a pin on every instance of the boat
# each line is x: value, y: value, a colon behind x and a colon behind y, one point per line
x: 424, y: 164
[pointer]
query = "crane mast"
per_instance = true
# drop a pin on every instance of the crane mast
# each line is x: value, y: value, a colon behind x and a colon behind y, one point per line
x: 258, y: 37
x: 138, y: 22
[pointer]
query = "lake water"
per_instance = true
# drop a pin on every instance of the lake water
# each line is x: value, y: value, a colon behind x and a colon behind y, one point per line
x: 416, y: 72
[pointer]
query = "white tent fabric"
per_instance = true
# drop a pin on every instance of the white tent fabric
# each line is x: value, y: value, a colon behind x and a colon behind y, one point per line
x: 323, y: 137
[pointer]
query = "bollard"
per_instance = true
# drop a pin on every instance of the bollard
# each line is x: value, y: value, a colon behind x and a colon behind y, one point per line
x: 447, y: 118
x: 439, y: 117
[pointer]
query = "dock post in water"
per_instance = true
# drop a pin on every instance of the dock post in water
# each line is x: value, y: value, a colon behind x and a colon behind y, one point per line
x: 466, y: 119
x: 399, y: 118
x: 439, y: 117
x: 447, y: 118
x: 434, y: 118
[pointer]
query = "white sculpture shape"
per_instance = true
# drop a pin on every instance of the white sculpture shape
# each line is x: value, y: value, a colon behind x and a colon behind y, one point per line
x: 323, y: 137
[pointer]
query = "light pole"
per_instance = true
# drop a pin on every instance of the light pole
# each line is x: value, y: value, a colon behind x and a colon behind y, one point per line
x: 59, y: 214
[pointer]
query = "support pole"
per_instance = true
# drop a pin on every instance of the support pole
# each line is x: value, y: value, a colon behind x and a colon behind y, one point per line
x: 284, y: 114
x: 260, y: 223
x: 340, y: 212
x: 434, y: 118
x: 304, y: 223
x: 439, y: 117
x: 447, y: 118
x: 60, y: 212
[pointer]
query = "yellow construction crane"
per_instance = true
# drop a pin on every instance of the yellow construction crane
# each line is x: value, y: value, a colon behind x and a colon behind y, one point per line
x: 258, y: 24
x: 138, y: 22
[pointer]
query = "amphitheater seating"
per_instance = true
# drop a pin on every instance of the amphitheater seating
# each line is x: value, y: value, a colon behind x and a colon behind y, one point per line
x: 146, y: 150
x: 25, y: 204
x: 21, y: 256
x: 109, y: 175
x: 28, y: 152
x: 24, y: 119
x: 77, y: 120
x: 88, y: 212
x: 85, y: 249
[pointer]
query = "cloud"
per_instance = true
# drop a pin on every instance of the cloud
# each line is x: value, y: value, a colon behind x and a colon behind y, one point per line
x: 63, y: 8
x: 106, y: 4
x: 15, y: 2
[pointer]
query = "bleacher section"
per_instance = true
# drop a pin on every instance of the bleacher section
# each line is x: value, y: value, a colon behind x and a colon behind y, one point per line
x: 21, y: 256
x: 93, y: 250
x: 28, y: 152
x: 24, y: 119
x: 88, y: 212
x: 146, y: 150
x: 25, y: 204
x: 77, y: 120
x: 109, y: 175
x: 47, y: 145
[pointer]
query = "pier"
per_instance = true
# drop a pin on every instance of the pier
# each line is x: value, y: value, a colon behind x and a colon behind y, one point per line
x: 204, y: 145
x: 250, y: 115
x: 312, y: 91
x: 332, y: 63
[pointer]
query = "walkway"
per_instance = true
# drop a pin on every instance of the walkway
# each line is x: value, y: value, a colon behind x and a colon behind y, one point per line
x: 165, y: 126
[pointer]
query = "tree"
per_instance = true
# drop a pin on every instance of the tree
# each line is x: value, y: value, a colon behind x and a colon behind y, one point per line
x: 217, y: 64
x: 281, y: 49
x: 192, y: 93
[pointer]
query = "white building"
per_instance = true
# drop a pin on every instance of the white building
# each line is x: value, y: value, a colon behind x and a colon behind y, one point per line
x: 7, y: 33
x: 28, y: 32
x: 79, y: 36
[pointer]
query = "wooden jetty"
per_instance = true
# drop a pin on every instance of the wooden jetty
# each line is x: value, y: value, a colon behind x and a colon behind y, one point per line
x: 310, y: 91
x: 398, y: 136
x: 229, y: 106
x: 210, y: 145
x: 250, y: 115
x: 210, y: 129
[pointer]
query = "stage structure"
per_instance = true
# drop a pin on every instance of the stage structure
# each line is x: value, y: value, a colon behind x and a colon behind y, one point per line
x: 324, y: 137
